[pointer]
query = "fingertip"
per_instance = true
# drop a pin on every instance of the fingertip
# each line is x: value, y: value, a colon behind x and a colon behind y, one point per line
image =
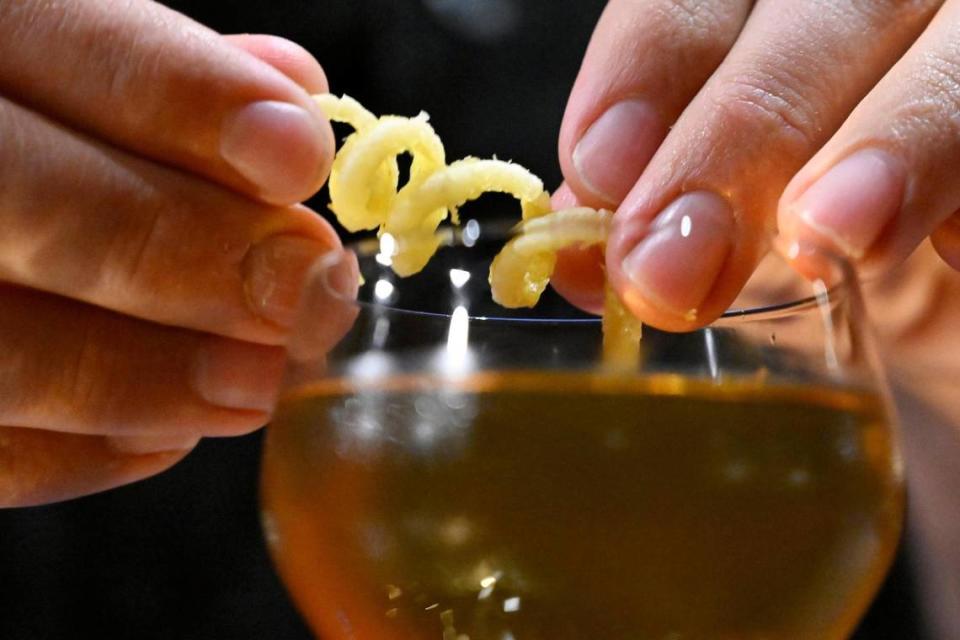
x: 612, y: 153
x: 848, y: 206
x: 579, y: 277
x: 946, y: 241
x: 302, y: 67
x: 328, y: 307
x: 283, y: 150
x: 326, y: 151
x: 275, y: 270
x: 286, y: 56
x: 564, y: 198
x: 310, y: 223
x: 171, y: 444
x: 676, y: 271
x: 573, y: 187
x: 812, y: 261
x: 239, y: 376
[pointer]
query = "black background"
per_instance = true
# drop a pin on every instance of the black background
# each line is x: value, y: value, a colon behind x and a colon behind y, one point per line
x: 181, y: 555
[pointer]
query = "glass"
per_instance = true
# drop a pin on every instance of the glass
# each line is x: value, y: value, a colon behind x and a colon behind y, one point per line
x: 459, y: 471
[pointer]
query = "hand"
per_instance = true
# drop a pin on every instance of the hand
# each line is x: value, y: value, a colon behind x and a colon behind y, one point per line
x: 151, y: 255
x: 835, y: 121
x: 709, y: 123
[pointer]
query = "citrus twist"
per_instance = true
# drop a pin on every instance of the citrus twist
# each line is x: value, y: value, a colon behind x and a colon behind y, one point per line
x: 364, y: 191
x: 522, y: 270
x: 365, y: 194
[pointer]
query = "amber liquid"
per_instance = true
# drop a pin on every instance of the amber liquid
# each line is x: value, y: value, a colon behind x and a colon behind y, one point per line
x: 539, y: 506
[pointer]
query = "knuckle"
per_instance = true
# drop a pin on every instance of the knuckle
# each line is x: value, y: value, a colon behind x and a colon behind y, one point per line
x: 125, y: 67
x: 99, y: 30
x: 688, y: 14
x: 152, y: 253
x: 702, y: 29
x: 935, y: 104
x: 139, y: 245
x: 136, y: 262
x: 128, y: 46
x: 101, y: 365
x: 98, y: 373
x: 941, y: 74
x: 692, y: 15
x: 48, y: 376
x: 772, y: 104
x: 80, y: 383
x: 173, y: 257
x: 158, y: 223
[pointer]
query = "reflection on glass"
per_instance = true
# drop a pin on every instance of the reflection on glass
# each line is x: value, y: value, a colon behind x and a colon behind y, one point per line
x: 471, y: 233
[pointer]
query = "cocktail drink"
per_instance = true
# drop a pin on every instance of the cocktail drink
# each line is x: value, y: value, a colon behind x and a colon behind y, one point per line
x: 453, y: 470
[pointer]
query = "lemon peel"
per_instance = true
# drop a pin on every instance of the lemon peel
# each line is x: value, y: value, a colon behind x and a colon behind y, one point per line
x: 364, y: 181
x: 521, y: 271
x: 364, y: 195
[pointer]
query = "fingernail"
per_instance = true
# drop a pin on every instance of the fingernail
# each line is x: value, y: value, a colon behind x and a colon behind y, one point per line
x: 850, y: 205
x: 236, y: 375
x: 675, y: 265
x: 329, y: 307
x: 275, y: 271
x: 279, y: 147
x: 143, y: 445
x: 341, y: 276
x: 616, y: 148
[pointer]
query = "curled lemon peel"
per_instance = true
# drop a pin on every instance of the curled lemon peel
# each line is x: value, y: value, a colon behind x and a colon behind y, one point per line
x: 364, y: 181
x: 521, y: 271
x: 364, y: 195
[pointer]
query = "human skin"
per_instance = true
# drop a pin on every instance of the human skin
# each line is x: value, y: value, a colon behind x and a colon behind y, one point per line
x: 152, y: 252
x: 142, y: 235
x: 792, y: 125
x: 146, y: 304
x: 827, y: 123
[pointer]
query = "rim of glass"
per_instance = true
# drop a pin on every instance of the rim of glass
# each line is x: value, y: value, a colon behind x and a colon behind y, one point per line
x: 501, y: 230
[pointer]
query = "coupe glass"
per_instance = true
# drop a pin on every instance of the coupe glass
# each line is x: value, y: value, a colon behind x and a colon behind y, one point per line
x: 458, y: 471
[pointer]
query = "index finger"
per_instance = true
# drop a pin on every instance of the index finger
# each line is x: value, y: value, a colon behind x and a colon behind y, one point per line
x: 156, y: 83
x: 694, y: 226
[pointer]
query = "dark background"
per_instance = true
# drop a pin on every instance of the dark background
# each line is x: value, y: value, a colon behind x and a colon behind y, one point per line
x: 181, y: 555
